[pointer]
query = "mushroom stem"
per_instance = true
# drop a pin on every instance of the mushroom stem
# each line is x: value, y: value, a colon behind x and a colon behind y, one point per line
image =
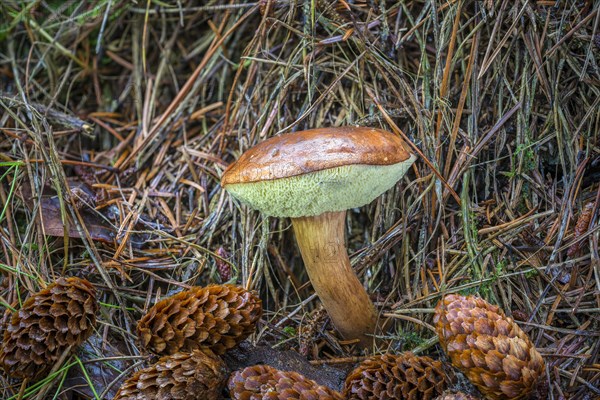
x: 322, y: 243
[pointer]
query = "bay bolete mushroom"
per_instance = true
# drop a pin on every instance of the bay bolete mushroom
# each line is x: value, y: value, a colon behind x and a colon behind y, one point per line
x: 313, y: 177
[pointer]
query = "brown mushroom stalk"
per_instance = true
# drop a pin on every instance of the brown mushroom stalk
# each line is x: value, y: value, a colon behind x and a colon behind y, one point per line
x: 321, y: 240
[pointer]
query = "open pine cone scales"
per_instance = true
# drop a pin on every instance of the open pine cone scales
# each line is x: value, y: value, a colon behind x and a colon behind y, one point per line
x: 216, y: 317
x: 456, y: 396
x: 262, y: 382
x: 488, y: 347
x: 182, y: 376
x: 403, y: 376
x: 61, y: 315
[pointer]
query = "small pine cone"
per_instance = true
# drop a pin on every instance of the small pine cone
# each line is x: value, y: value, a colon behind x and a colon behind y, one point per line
x: 456, y: 396
x: 262, y: 6
x: 197, y: 375
x: 261, y: 382
x: 581, y: 228
x: 309, y: 332
x: 402, y: 376
x: 216, y: 317
x: 488, y: 347
x: 223, y: 267
x: 61, y: 315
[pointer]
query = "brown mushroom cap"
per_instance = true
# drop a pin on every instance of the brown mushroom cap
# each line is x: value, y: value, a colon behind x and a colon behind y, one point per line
x: 311, y: 172
x: 314, y: 150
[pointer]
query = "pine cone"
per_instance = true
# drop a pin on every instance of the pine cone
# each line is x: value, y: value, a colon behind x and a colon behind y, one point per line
x: 49, y: 321
x: 402, y: 376
x: 216, y: 317
x: 488, y: 347
x: 223, y: 268
x: 456, y: 396
x: 261, y: 382
x: 182, y: 376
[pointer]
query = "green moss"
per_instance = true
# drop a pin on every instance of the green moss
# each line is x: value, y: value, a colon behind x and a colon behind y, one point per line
x: 410, y: 340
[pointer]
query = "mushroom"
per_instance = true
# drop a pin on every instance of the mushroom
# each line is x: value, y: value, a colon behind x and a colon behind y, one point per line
x: 313, y: 177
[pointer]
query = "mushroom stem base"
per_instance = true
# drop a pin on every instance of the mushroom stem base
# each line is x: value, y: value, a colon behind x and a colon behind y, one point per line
x: 321, y: 240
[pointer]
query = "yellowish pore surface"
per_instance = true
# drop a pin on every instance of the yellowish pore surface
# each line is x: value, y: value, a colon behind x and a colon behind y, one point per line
x: 333, y: 189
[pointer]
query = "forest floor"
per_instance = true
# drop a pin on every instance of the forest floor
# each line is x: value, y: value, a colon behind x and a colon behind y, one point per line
x: 120, y: 117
